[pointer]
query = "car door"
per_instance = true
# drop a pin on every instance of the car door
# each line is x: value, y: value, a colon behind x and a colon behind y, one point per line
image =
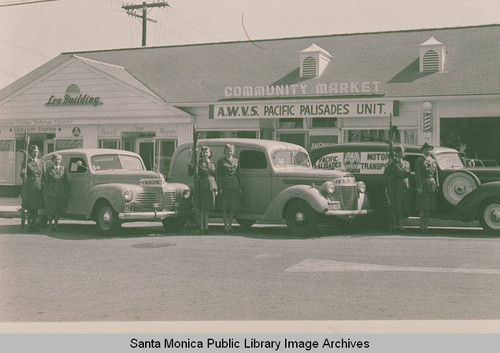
x: 78, y: 179
x: 256, y: 180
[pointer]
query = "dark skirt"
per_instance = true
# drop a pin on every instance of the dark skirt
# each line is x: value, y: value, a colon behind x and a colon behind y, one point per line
x: 207, y: 200
x: 33, y: 199
x: 426, y: 201
x: 55, y: 206
x: 231, y: 199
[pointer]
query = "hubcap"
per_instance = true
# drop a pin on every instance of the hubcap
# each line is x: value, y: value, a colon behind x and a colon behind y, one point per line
x: 492, y: 216
x: 106, y: 219
x: 299, y: 217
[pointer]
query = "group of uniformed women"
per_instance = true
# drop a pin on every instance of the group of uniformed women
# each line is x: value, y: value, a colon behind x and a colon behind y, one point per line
x: 44, y: 188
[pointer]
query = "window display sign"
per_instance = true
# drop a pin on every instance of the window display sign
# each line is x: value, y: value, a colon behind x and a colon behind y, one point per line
x: 322, y: 141
x: 354, y: 162
x: 328, y: 109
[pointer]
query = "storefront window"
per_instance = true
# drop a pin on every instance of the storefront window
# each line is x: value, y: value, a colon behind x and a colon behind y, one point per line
x: 291, y: 123
x: 318, y: 123
x: 228, y: 134
x: 408, y: 137
x: 66, y: 144
x: 114, y: 144
x: 7, y: 161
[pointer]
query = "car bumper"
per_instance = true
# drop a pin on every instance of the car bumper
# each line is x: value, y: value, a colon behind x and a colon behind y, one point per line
x: 346, y: 212
x: 146, y: 216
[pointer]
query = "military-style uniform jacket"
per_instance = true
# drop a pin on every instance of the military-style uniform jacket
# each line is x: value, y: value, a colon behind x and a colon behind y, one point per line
x: 228, y: 173
x: 55, y: 182
x: 426, y: 176
x: 32, y: 193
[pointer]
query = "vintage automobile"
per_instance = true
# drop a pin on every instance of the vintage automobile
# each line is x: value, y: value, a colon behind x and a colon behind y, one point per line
x: 113, y: 186
x: 466, y: 193
x: 279, y: 183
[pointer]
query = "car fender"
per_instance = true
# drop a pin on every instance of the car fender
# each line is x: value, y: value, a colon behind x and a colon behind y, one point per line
x: 470, y: 206
x: 307, y: 193
x: 111, y: 193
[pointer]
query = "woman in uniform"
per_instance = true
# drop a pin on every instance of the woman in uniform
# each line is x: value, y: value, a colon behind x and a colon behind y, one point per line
x: 55, y: 190
x: 396, y: 173
x: 427, y: 182
x: 33, y: 197
x: 207, y: 187
x: 229, y: 186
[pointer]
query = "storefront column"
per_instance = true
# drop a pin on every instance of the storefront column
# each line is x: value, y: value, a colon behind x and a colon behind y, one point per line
x: 89, y: 133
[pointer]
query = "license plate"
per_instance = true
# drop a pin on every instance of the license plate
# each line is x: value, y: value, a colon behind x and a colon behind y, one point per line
x: 333, y: 206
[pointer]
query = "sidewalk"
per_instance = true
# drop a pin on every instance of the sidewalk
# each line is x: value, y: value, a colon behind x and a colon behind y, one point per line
x: 9, y: 207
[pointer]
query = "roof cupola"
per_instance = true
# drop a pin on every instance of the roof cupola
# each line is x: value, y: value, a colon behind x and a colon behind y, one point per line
x: 432, y: 56
x: 313, y: 61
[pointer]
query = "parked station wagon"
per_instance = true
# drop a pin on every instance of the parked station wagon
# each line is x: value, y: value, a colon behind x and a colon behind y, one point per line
x: 113, y: 186
x: 279, y: 183
x: 466, y: 193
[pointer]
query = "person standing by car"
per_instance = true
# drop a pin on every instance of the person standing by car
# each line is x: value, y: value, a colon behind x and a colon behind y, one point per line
x: 229, y: 186
x: 396, y: 173
x: 33, y: 197
x: 427, y: 183
x: 55, y: 184
x: 207, y: 187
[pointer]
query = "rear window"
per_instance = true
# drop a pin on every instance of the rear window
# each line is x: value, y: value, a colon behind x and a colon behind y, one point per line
x: 253, y: 160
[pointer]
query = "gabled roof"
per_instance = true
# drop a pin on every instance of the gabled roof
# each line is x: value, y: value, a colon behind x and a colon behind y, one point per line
x: 199, y: 73
x: 118, y: 72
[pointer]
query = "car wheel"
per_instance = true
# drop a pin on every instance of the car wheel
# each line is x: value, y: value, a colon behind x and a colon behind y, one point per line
x: 245, y: 223
x: 301, y: 219
x: 107, y: 219
x: 457, y: 185
x: 173, y: 224
x: 490, y: 216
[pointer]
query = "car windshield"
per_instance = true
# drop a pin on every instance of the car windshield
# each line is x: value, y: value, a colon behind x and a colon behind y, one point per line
x: 116, y: 161
x: 287, y: 158
x: 449, y: 161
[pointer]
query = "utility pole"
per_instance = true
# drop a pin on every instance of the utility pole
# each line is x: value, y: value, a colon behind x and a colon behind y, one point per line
x: 131, y: 11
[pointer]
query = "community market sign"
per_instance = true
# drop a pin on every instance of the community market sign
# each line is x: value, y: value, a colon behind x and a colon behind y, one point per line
x: 302, y: 110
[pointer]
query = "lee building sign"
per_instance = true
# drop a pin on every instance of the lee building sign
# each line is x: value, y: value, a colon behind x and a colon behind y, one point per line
x: 73, y: 97
x: 315, y: 109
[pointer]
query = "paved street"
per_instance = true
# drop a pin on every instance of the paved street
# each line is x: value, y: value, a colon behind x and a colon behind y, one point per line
x: 259, y: 274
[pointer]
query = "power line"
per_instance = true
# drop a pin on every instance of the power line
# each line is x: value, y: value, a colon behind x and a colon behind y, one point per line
x: 29, y: 50
x: 25, y: 2
x: 8, y: 72
x: 144, y: 7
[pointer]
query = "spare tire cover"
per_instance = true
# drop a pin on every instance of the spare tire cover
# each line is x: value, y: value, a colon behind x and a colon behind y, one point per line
x: 457, y: 185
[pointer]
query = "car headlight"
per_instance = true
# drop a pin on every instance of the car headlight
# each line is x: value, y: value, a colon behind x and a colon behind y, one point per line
x: 328, y: 187
x: 127, y: 194
x: 361, y: 187
x: 186, y: 193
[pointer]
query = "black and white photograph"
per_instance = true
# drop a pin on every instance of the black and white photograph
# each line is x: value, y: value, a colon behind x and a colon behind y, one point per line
x: 300, y: 166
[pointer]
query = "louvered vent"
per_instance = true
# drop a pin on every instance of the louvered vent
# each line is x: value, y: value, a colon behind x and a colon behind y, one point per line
x: 431, y: 61
x: 309, y: 67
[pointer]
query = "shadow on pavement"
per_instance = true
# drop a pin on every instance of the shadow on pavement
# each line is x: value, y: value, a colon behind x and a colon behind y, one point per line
x: 73, y: 230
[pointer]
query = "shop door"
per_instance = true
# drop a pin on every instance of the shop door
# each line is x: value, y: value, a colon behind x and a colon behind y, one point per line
x: 146, y: 148
x: 298, y: 138
x: 164, y: 151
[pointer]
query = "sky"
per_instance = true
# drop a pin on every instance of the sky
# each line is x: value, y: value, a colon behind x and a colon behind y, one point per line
x: 32, y: 34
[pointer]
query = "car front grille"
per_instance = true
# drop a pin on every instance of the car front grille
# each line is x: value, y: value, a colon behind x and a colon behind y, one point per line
x: 169, y: 199
x: 348, y: 196
x: 147, y: 200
